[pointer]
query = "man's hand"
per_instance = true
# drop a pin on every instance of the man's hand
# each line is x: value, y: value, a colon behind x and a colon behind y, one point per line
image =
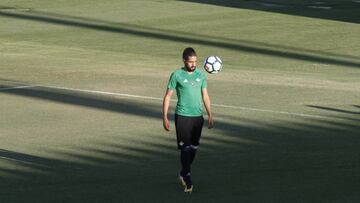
x: 166, y: 124
x: 210, y: 122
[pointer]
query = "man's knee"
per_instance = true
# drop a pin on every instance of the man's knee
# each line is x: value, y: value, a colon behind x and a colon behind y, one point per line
x: 186, y: 148
x: 194, y: 147
x: 189, y: 148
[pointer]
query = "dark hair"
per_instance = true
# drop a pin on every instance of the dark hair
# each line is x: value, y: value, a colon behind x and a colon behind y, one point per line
x: 188, y: 52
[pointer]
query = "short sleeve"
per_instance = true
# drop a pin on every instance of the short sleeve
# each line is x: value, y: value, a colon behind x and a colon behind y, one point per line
x: 172, y: 81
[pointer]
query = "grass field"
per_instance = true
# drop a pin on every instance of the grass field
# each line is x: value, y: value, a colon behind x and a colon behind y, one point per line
x: 81, y: 84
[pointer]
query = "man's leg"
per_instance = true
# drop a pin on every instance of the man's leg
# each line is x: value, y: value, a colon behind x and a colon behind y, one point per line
x: 186, y: 157
x: 195, y: 136
x: 189, y: 151
x: 193, y: 153
x: 183, y: 133
x: 185, y: 174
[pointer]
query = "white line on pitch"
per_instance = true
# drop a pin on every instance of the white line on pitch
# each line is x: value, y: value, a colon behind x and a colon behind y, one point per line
x: 215, y: 105
x: 160, y: 99
x: 271, y: 111
x: 17, y: 87
x: 102, y: 92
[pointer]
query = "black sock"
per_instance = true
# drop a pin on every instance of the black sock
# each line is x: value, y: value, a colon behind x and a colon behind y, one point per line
x: 186, y: 159
x: 192, y: 155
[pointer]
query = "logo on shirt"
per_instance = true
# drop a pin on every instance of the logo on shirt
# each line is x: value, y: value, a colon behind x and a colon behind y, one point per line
x: 192, y: 82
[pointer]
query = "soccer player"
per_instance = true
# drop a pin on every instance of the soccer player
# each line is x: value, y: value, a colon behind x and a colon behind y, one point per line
x: 191, y: 89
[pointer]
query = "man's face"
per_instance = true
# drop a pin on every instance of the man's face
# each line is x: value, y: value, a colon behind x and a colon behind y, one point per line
x: 190, y: 63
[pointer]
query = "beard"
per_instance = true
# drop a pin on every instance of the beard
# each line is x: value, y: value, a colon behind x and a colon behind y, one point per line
x: 190, y: 68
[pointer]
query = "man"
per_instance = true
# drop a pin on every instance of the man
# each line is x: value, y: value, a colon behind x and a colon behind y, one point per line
x: 191, y: 89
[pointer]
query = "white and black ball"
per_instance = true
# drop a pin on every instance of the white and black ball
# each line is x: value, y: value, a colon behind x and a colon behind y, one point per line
x: 213, y: 64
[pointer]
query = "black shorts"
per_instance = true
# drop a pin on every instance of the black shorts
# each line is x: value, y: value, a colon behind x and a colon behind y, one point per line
x: 188, y: 130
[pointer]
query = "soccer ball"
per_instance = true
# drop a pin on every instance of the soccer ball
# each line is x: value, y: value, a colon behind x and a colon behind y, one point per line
x: 213, y: 64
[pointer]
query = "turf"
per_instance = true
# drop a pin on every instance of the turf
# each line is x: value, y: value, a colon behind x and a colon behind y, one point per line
x: 291, y: 79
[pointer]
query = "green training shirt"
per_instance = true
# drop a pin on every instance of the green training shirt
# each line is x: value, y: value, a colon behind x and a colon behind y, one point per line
x: 189, y: 91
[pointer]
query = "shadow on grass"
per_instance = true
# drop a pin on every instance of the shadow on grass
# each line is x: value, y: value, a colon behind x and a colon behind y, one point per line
x: 340, y: 10
x: 72, y: 97
x: 284, y: 164
x: 296, y: 160
x: 173, y: 36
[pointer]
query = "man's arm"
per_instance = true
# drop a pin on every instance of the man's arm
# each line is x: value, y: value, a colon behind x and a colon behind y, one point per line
x: 207, y: 104
x: 166, y: 104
